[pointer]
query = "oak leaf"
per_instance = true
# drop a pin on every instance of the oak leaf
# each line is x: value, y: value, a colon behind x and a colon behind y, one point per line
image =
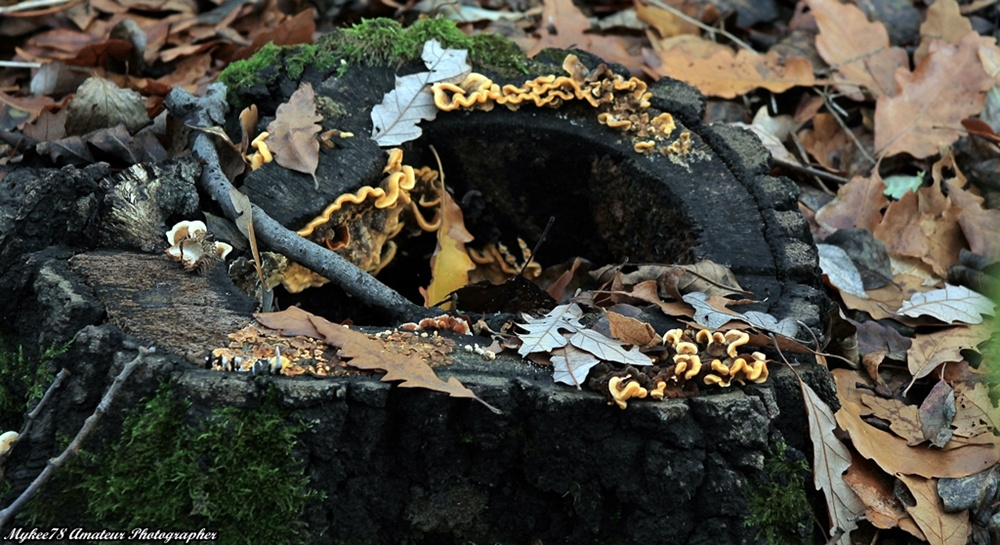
x: 545, y: 334
x: 859, y: 50
x: 979, y: 225
x: 632, y: 331
x: 840, y: 270
x: 728, y: 74
x: 923, y: 225
x: 937, y: 413
x: 292, y: 134
x: 943, y: 21
x: 882, y: 508
x: 939, y: 527
x: 947, y: 86
x: 904, y: 420
x: 363, y: 351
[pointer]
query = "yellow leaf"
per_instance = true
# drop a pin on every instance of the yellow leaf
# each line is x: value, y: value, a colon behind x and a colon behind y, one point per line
x: 451, y: 263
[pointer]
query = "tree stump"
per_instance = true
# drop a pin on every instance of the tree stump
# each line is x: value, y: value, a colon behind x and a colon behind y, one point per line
x: 395, y: 465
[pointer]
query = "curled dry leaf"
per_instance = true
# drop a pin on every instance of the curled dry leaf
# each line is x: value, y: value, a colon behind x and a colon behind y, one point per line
x: 450, y: 263
x: 100, y: 104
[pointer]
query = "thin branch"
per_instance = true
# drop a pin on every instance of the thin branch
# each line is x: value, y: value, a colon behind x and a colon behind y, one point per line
x: 850, y: 134
x: 29, y: 420
x: 208, y: 111
x: 73, y: 448
x: 805, y: 169
x: 19, y: 64
x: 710, y: 29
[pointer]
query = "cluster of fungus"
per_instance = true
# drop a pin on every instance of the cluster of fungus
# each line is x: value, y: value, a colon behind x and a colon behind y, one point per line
x: 360, y: 226
x: 193, y: 247
x: 691, y: 358
x: 623, y: 103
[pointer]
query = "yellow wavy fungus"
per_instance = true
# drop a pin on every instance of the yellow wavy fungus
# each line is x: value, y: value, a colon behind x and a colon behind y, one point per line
x: 622, y: 102
x: 360, y: 225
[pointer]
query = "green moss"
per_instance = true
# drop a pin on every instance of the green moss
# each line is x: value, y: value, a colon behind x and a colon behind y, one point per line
x: 23, y: 382
x: 254, y: 71
x: 384, y: 42
x: 778, y: 505
x: 232, y: 472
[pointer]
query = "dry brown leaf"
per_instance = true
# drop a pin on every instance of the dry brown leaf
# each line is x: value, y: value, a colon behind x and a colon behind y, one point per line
x: 564, y: 26
x: 904, y: 420
x: 450, y: 264
x: 292, y: 134
x: 631, y: 331
x: 729, y: 74
x: 827, y: 142
x: 365, y: 352
x: 892, y: 453
x: 979, y: 225
x: 858, y: 49
x: 940, y: 528
x: 943, y: 21
x: 976, y: 413
x: 649, y: 292
x: 665, y: 23
x: 923, y: 225
x: 858, y: 204
x: 875, y: 489
x: 927, y: 112
x: 930, y: 350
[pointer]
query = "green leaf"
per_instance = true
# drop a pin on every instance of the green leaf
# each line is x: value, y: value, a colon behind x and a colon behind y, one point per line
x: 898, y: 184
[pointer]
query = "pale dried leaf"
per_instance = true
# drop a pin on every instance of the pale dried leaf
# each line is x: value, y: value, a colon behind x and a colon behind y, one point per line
x: 840, y: 270
x: 830, y: 460
x: 395, y: 119
x: 570, y: 365
x: 607, y: 349
x: 932, y: 349
x: 712, y: 317
x: 544, y: 334
x: 950, y: 304
x: 904, y: 420
x: 937, y: 413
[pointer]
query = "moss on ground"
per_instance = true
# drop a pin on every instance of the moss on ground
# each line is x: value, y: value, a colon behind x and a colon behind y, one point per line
x: 232, y: 472
x: 778, y: 504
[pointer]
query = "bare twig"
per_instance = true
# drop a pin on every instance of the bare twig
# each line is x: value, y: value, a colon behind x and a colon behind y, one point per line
x: 19, y: 64
x: 835, y: 111
x: 74, y: 447
x: 29, y: 420
x: 710, y: 29
x: 35, y: 4
x: 210, y: 110
x: 805, y: 169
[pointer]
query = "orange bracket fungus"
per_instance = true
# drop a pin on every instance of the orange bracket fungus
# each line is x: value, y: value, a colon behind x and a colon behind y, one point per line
x: 623, y: 104
x: 360, y: 226
x: 192, y: 246
x: 621, y: 393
